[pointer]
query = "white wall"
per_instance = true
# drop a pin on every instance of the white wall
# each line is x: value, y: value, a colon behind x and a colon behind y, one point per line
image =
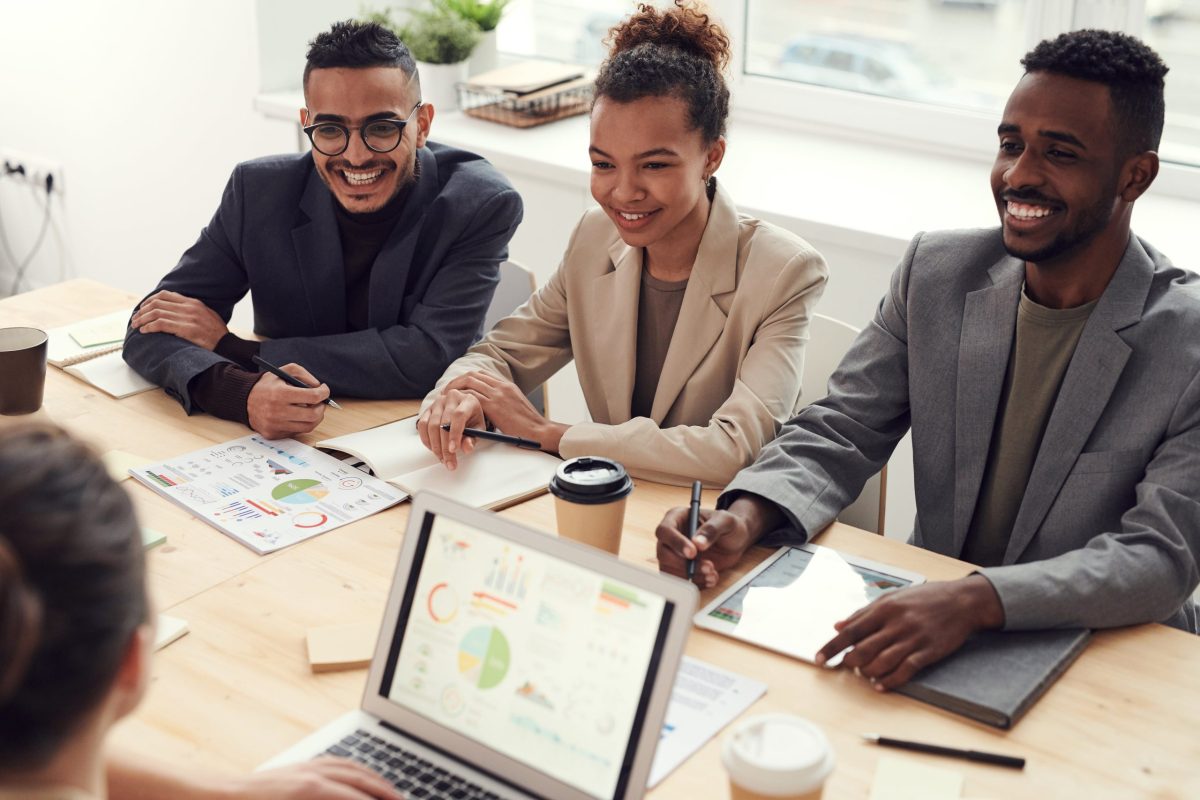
x: 147, y: 107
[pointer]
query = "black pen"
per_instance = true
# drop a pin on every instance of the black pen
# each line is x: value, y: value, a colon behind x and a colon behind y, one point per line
x: 289, y: 379
x: 938, y: 750
x: 476, y: 433
x: 693, y: 523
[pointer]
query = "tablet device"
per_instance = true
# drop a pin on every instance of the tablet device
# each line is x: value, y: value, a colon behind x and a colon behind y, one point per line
x: 789, y: 602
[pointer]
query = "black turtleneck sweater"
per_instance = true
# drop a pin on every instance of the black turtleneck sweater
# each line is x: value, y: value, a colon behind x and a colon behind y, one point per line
x: 222, y: 389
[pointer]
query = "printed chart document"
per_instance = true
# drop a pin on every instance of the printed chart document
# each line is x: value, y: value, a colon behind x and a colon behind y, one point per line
x: 493, y: 476
x: 267, y: 494
x: 705, y: 699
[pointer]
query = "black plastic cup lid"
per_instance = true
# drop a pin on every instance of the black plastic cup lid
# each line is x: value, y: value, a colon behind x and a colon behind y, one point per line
x: 590, y: 480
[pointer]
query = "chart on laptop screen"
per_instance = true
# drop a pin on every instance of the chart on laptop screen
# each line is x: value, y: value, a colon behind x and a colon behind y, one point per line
x: 535, y: 657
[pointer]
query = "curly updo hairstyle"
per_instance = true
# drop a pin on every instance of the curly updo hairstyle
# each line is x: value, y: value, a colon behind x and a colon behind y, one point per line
x: 72, y: 590
x: 1133, y: 73
x: 677, y: 52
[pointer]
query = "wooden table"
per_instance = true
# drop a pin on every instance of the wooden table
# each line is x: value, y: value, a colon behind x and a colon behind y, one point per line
x: 1120, y: 723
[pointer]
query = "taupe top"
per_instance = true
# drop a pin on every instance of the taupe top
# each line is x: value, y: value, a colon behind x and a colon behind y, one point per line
x: 658, y: 311
x: 1043, y: 344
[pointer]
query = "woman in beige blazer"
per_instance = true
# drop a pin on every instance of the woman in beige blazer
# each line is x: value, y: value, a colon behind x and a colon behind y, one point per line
x: 687, y: 320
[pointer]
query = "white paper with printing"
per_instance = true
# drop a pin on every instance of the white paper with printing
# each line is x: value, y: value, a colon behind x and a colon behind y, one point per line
x: 268, y: 494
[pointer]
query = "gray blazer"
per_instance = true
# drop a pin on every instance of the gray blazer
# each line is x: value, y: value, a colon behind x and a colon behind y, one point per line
x: 275, y: 235
x: 1108, y: 532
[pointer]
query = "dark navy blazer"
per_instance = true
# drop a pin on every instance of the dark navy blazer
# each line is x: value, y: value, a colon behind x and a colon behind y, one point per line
x: 275, y: 236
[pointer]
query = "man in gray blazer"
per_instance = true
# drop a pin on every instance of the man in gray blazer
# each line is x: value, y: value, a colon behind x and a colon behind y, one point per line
x: 1050, y: 373
x: 370, y: 261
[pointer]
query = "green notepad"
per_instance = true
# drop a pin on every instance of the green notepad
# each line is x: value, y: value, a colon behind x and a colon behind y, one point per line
x: 108, y: 329
x: 152, y: 538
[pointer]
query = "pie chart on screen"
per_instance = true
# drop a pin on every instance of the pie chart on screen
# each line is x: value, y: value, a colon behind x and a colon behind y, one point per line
x: 299, y: 491
x: 483, y: 656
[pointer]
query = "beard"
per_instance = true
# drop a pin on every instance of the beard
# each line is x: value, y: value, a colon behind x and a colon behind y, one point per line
x: 1089, y: 224
x: 406, y: 175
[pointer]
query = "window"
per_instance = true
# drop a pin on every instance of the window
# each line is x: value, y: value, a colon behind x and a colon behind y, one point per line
x: 563, y: 30
x: 1172, y: 27
x: 944, y: 52
x: 934, y: 73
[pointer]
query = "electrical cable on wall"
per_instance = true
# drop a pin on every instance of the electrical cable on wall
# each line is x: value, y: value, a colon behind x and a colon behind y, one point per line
x: 23, y: 264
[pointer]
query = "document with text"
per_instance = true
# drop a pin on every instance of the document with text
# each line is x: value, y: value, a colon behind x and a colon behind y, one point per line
x: 705, y: 699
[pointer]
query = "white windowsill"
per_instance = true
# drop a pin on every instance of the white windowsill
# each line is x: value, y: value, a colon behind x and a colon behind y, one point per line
x: 856, y: 194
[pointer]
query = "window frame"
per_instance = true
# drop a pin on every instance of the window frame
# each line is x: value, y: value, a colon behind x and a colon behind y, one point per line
x: 904, y: 124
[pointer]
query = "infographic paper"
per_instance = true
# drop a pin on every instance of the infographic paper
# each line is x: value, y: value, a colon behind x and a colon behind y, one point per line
x: 268, y: 494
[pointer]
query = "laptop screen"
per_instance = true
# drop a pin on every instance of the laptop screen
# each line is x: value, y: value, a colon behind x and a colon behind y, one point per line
x: 542, y: 660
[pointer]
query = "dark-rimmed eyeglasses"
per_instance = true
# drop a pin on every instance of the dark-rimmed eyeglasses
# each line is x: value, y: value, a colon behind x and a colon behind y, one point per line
x: 379, y: 135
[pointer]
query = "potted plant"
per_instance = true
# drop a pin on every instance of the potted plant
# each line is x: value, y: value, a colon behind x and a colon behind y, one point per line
x: 440, y: 43
x: 486, y: 16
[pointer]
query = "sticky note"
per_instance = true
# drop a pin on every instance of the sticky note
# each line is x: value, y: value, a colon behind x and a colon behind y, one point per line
x: 118, y: 463
x: 342, y: 646
x: 152, y: 538
x: 108, y: 329
x: 168, y: 630
x: 906, y: 779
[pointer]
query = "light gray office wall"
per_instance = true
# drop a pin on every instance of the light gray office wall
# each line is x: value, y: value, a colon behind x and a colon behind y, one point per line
x: 285, y: 28
x: 147, y: 107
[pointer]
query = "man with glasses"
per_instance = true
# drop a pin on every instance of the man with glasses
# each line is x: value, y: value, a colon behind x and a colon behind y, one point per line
x: 370, y: 262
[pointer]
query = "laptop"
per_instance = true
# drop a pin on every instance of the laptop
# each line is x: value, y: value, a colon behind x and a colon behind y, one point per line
x: 513, y: 664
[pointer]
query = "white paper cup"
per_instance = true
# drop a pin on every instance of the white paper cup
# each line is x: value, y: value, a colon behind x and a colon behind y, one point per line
x: 776, y: 757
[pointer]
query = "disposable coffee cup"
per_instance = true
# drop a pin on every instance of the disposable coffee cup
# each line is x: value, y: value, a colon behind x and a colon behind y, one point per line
x: 22, y: 369
x: 776, y: 757
x: 589, y: 500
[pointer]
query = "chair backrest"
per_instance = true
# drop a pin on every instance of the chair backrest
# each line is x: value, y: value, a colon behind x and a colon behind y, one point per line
x: 516, y: 285
x: 829, y: 339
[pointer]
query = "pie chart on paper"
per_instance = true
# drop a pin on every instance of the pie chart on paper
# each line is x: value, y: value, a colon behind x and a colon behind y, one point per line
x: 299, y: 491
x: 483, y: 656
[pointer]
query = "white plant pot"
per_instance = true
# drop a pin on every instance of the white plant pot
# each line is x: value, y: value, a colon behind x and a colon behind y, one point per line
x: 483, y: 59
x: 438, y: 84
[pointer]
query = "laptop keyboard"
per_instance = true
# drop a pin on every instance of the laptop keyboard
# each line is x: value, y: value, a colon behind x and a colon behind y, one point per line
x: 411, y: 774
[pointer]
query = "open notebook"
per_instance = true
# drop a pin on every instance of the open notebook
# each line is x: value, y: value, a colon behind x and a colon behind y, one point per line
x: 91, y: 351
x: 493, y: 476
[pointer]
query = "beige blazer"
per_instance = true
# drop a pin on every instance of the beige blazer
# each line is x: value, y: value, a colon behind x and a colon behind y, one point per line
x: 732, y: 371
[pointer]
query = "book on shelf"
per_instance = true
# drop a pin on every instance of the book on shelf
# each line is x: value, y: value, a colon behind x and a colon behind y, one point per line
x: 526, y: 77
x: 493, y: 476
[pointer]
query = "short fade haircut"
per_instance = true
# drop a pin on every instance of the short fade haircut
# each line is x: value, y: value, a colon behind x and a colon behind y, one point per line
x: 1132, y: 72
x: 358, y: 45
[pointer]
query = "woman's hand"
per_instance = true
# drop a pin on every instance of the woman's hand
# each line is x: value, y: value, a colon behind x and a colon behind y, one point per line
x: 458, y: 409
x: 507, y: 408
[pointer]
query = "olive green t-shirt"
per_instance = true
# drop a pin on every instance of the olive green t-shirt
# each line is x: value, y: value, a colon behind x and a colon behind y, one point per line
x: 658, y: 311
x: 1043, y: 344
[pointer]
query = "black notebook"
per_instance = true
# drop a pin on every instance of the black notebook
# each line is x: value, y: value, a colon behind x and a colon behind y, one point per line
x: 998, y: 675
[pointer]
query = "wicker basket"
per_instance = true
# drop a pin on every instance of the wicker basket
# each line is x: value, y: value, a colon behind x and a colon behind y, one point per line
x: 526, y: 110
